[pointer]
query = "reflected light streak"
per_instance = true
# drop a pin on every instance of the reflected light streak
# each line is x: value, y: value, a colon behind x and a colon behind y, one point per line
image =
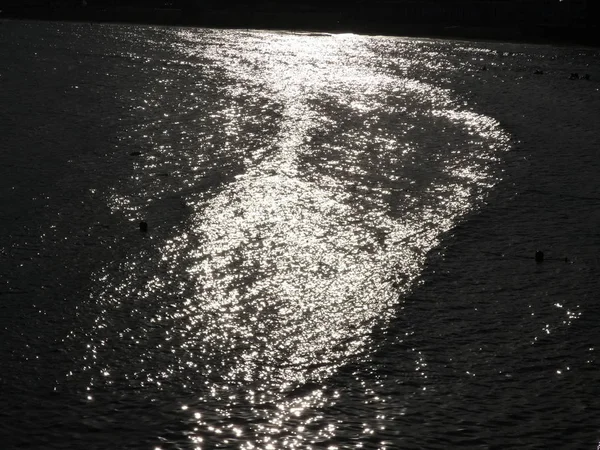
x: 315, y: 193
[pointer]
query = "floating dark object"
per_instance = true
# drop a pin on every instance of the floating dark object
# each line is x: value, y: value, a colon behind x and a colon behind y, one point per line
x: 135, y: 153
x: 574, y: 76
x: 538, y: 72
x: 539, y: 256
x: 143, y: 227
x: 586, y: 76
x: 484, y: 68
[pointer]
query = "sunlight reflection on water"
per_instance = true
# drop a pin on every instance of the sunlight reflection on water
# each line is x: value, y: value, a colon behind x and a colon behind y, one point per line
x: 287, y: 263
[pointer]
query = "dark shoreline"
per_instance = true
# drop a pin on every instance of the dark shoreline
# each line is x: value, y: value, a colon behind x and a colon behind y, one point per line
x: 310, y: 21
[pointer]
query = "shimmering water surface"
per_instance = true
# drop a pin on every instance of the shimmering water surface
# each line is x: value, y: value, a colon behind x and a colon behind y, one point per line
x: 326, y: 264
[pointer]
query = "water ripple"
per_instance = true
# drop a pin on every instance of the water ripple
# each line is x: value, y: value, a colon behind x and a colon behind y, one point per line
x: 317, y: 180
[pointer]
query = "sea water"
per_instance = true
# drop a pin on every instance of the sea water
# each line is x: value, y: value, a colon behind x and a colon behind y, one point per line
x: 340, y: 240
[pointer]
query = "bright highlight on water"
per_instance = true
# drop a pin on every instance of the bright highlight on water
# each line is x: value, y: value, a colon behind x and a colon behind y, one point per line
x: 241, y: 236
x: 348, y: 174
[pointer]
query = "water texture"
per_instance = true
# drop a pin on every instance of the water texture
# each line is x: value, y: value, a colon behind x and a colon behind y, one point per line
x: 336, y: 255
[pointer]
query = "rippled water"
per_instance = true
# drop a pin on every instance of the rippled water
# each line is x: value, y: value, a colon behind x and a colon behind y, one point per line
x: 296, y: 187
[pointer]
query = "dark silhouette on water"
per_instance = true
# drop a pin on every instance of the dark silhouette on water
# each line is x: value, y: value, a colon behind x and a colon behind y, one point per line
x: 539, y: 256
x: 143, y: 227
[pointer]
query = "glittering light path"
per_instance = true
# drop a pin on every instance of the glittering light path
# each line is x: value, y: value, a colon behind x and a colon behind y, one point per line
x: 282, y: 271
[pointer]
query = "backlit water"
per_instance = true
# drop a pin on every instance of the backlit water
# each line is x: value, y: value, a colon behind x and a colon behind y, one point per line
x: 314, y: 203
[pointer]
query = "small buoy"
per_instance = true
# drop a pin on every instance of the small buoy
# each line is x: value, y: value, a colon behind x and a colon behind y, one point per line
x: 539, y: 256
x: 538, y: 72
x: 143, y: 227
x: 135, y: 153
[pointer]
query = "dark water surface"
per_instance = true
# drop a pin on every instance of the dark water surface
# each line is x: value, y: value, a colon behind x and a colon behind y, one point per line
x: 340, y: 246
